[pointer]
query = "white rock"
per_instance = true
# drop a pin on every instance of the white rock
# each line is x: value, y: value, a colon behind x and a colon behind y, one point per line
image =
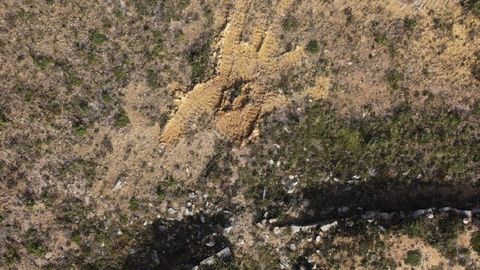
x: 277, y: 230
x: 328, y: 227
x: 210, y: 243
x: 228, y: 229
x: 295, y: 229
x: 188, y: 212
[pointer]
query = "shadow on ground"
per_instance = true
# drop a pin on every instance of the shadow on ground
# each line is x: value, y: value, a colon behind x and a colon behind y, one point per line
x: 333, y: 200
x: 180, y: 244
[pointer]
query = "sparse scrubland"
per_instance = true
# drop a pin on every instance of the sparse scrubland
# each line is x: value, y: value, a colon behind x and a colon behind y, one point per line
x: 271, y: 134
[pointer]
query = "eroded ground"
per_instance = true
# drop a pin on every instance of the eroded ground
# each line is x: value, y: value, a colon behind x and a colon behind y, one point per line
x: 153, y: 134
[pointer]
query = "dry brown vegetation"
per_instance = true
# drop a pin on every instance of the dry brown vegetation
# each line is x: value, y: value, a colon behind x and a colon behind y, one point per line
x: 122, y: 121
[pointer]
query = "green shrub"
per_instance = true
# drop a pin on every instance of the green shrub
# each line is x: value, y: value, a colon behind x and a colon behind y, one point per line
x: 472, y: 6
x: 121, y: 119
x: 414, y: 257
x: 475, y: 242
x: 381, y: 39
x: 134, y: 204
x: 290, y: 23
x: 77, y: 238
x: 394, y: 78
x: 97, y: 38
x: 409, y: 23
x: 80, y: 130
x: 42, y: 61
x: 199, y: 58
x: 36, y: 248
x: 313, y: 47
x: 153, y: 79
x: 3, y: 120
x: 72, y: 80
x: 476, y: 8
x: 119, y: 73
x: 476, y: 70
x: 442, y: 24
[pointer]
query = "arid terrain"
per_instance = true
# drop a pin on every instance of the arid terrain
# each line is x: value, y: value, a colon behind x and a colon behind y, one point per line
x: 240, y: 134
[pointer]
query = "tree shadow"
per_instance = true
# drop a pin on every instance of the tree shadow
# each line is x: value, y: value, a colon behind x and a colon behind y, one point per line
x: 180, y: 244
x: 341, y: 200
